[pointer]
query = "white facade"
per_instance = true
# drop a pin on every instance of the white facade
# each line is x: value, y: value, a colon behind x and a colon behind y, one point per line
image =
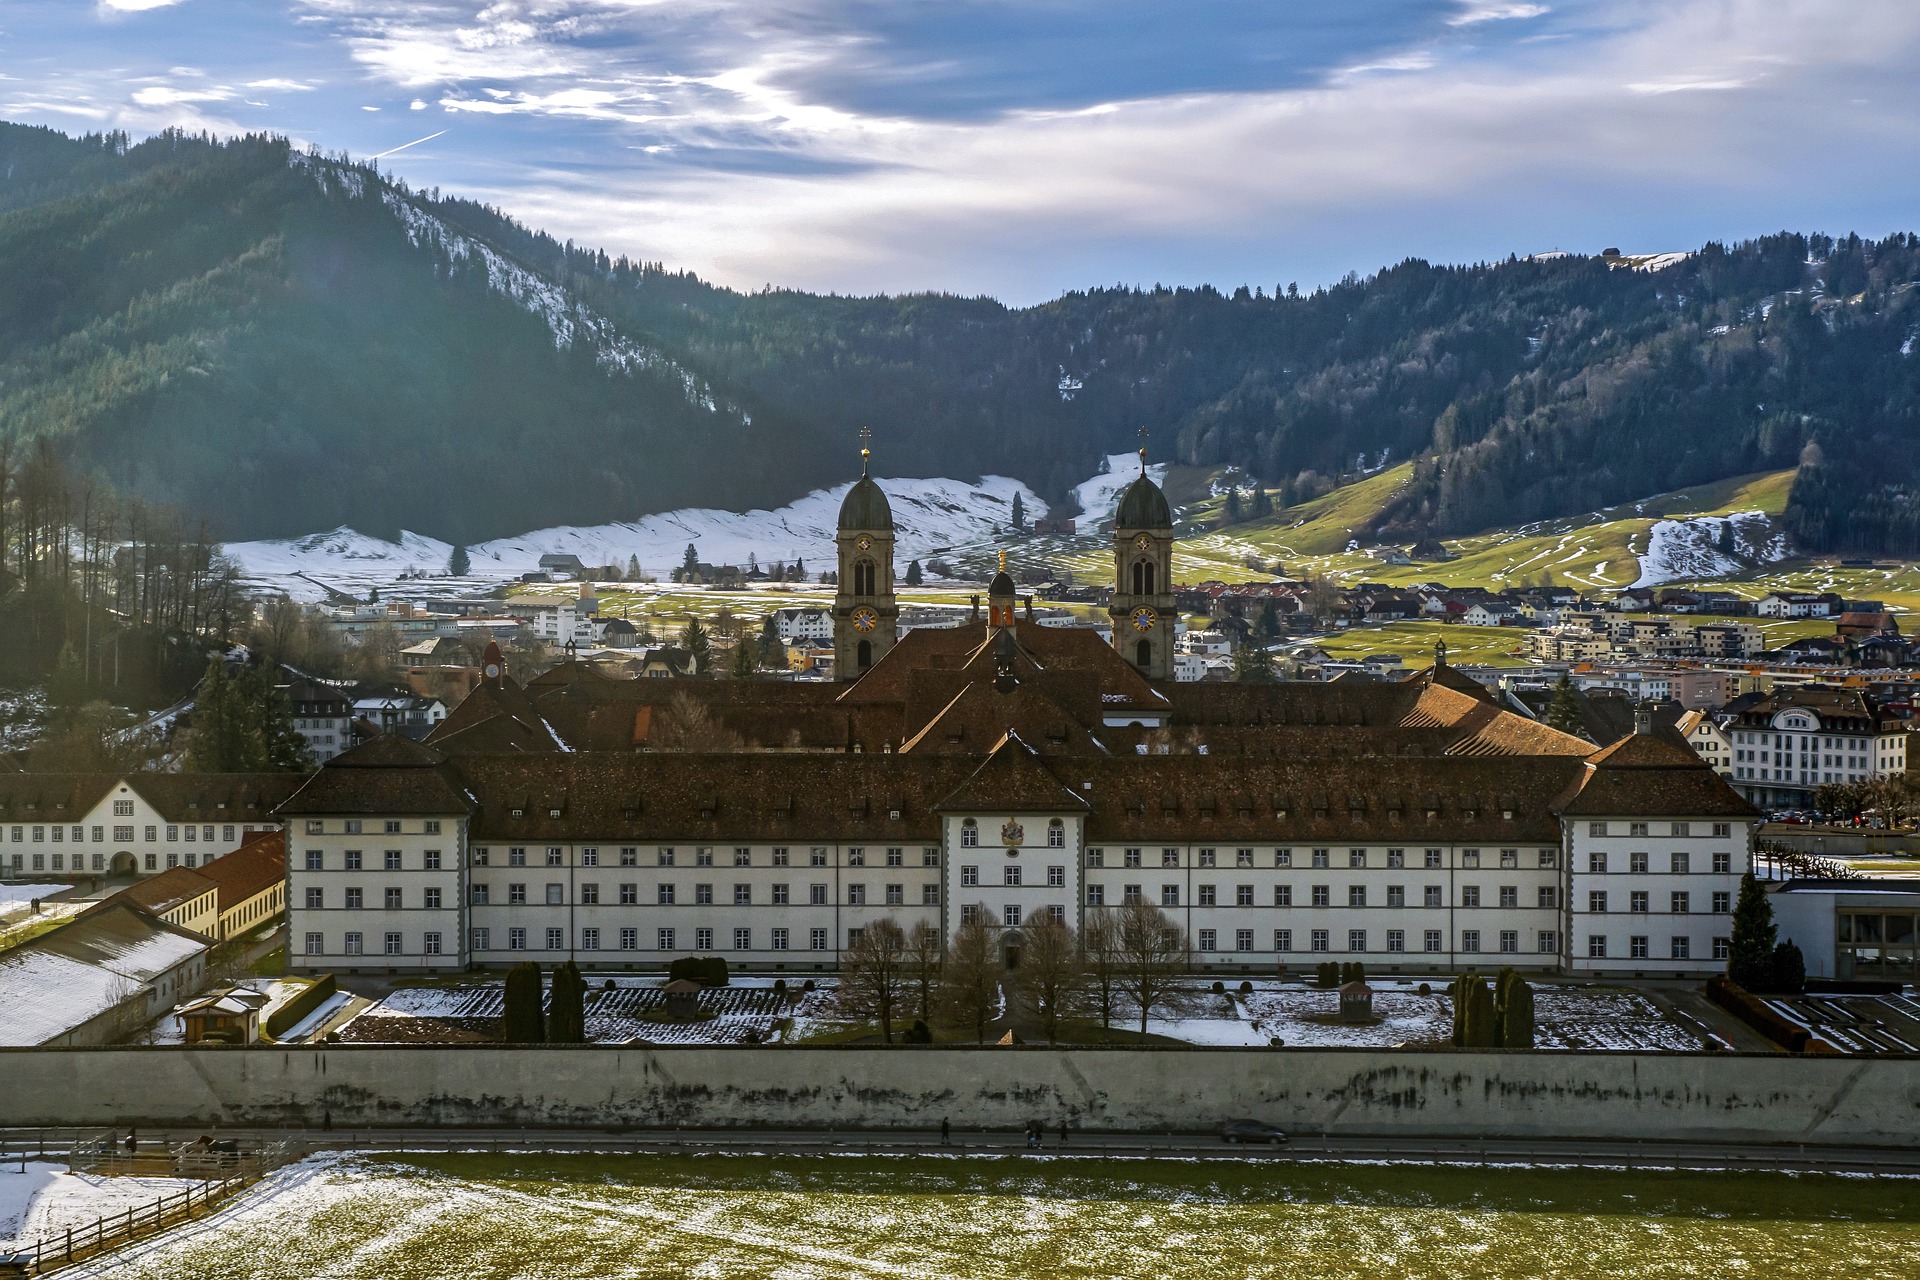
x: 376, y: 893
x: 1796, y: 752
x: 123, y: 834
x: 805, y: 626
x: 1653, y: 897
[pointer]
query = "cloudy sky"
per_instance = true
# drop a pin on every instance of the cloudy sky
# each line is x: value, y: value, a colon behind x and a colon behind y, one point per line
x: 1024, y: 147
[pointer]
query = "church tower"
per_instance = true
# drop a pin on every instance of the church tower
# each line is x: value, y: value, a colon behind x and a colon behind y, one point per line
x: 865, y: 615
x: 1142, y: 607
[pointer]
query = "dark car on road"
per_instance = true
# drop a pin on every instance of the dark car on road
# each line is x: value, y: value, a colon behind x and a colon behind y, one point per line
x: 1251, y: 1131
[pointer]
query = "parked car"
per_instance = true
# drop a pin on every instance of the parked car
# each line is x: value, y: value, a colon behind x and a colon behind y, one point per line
x: 1251, y: 1131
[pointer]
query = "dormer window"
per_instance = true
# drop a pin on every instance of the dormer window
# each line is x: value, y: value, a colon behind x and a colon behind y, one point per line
x: 553, y: 813
x: 516, y: 813
x: 969, y: 834
x: 1056, y: 834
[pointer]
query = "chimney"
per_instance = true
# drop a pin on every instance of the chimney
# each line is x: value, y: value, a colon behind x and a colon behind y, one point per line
x: 1643, y: 718
x: 975, y: 615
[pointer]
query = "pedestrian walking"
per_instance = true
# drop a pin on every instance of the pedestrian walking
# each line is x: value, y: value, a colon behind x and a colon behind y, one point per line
x: 1063, y: 1133
x: 946, y: 1131
x: 132, y: 1142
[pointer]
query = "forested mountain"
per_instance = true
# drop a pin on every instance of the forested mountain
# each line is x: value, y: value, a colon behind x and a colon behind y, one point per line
x: 286, y: 343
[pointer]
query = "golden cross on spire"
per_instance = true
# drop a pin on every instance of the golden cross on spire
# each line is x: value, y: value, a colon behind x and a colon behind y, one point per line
x: 1003, y: 561
x: 1143, y: 451
x: 866, y: 438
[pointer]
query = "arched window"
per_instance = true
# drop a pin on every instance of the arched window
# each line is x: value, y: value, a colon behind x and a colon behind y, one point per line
x: 1056, y: 834
x: 1143, y: 576
x: 969, y: 834
x: 863, y: 578
x: 1143, y: 654
x: 865, y: 654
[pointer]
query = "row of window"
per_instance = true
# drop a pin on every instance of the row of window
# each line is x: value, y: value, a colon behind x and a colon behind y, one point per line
x: 703, y: 856
x: 970, y: 834
x: 1320, y: 895
x: 390, y: 860
x: 1639, y: 864
x: 1011, y: 873
x: 1681, y: 829
x: 122, y: 834
x: 1680, y: 902
x: 1396, y: 858
x: 354, y: 899
x: 96, y: 861
x: 388, y: 826
x: 1679, y: 947
x: 666, y: 895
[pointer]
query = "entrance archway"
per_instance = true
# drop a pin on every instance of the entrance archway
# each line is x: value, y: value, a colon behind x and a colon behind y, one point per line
x: 122, y: 864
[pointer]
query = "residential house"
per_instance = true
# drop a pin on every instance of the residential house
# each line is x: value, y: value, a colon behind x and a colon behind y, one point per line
x: 135, y: 824
x: 1798, y: 604
x: 98, y: 979
x: 322, y: 714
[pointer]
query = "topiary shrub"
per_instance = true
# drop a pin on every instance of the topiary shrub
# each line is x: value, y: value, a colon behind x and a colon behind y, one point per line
x: 523, y: 1022
x: 708, y: 971
x: 1219, y: 988
x: 566, y: 1006
x: 1246, y: 988
x: 1789, y: 969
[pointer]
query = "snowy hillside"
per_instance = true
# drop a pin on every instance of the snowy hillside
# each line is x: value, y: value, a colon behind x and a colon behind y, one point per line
x: 931, y: 516
x: 1100, y: 495
x: 1702, y: 547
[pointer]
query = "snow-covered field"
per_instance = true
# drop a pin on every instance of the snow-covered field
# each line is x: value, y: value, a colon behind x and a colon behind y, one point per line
x: 45, y: 1199
x: 618, y: 1010
x: 931, y: 518
x: 1697, y: 548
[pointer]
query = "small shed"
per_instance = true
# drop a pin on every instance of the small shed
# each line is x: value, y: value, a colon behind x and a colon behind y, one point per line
x: 224, y: 1017
x: 1356, y: 1002
x: 683, y: 998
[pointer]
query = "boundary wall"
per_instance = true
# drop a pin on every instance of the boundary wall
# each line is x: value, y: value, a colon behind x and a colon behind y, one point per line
x: 1722, y: 1097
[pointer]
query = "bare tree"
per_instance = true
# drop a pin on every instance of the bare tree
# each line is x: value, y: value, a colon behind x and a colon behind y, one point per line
x: 1100, y: 960
x: 687, y: 725
x: 1153, y: 954
x: 925, y: 952
x: 970, y: 981
x: 873, y: 975
x: 1050, y: 973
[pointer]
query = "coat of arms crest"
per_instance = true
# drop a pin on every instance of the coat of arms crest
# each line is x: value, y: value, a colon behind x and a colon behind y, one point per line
x: 1013, y: 833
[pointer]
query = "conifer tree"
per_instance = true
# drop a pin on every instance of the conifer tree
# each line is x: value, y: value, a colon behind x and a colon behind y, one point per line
x: 1563, y: 713
x: 690, y: 560
x: 914, y: 578
x: 1019, y: 514
x: 1750, y: 949
x: 693, y: 638
x: 1252, y: 664
x: 1789, y: 969
x: 1268, y: 626
x: 459, y: 564
x: 1233, y: 506
x: 523, y: 1022
x: 746, y: 663
x: 633, y: 568
x: 566, y: 1011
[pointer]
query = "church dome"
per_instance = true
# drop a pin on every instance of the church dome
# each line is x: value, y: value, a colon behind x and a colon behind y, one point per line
x: 1002, y: 585
x: 1143, y: 506
x: 866, y: 507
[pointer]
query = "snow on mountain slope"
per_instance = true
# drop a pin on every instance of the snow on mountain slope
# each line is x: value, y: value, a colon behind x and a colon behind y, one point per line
x: 1100, y: 495
x: 930, y: 516
x: 1695, y: 548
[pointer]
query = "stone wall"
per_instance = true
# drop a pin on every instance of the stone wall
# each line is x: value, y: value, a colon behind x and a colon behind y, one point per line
x: 1726, y: 1097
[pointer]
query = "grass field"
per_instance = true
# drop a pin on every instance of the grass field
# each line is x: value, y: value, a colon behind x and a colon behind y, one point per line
x: 1001, y: 1217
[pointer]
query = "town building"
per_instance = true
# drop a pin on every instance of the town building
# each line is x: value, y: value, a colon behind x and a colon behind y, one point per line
x: 1796, y: 739
x: 125, y: 825
x: 1000, y: 770
x: 322, y: 715
x: 98, y: 978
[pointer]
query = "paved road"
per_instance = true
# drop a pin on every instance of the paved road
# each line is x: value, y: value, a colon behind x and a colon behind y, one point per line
x: 1303, y: 1149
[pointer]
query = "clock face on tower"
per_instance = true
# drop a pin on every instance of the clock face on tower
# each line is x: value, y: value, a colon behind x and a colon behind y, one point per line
x: 1143, y: 542
x: 1143, y: 619
x: 863, y: 542
x: 865, y: 619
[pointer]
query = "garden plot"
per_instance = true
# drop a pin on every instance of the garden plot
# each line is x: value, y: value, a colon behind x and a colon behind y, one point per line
x: 1306, y: 1017
x: 618, y: 1010
x: 1607, y: 1018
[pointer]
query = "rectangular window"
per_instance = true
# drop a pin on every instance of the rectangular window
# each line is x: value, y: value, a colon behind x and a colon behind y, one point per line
x: 1010, y: 915
x: 1723, y: 829
x: 743, y: 857
x: 743, y: 895
x: 1356, y: 857
x: 1637, y: 947
x: 1722, y: 863
x: 1396, y: 895
x: 664, y: 857
x: 316, y: 944
x: 430, y: 899
x: 1547, y: 942
x: 1322, y: 895
x: 1096, y: 895
x: 316, y: 899
x: 1283, y: 939
x: 896, y: 895
x: 479, y: 895
x: 1396, y: 941
x: 1209, y: 896
x: 1510, y: 858
x: 856, y: 895
x: 969, y: 876
x: 1433, y: 858
x: 1722, y: 948
x: 1096, y: 857
x: 390, y: 860
x: 122, y: 834
x: 1636, y: 829
x: 556, y: 939
x: 816, y: 857
x: 516, y: 856
x: 1283, y: 857
x: 896, y: 857
x: 629, y: 939
x: 1396, y: 859
x: 1356, y: 939
x: 1596, y: 828
x: 516, y: 939
x: 316, y: 861
x: 629, y: 894
x: 817, y: 895
x: 1470, y: 895
x: 703, y: 857
x: 930, y: 857
x: 1549, y: 857
x: 778, y: 941
x: 1509, y: 895
x: 743, y: 939
x: 1243, y: 939
x: 480, y: 939
x: 1130, y: 894
x: 152, y: 834
x: 1169, y: 857
x: 430, y: 827
x: 1131, y: 857
x: 1243, y: 895
x: 516, y: 895
x: 589, y: 857
x: 1722, y: 902
x: 1056, y: 877
x: 1682, y: 902
x: 1283, y: 895
x: 1682, y: 829
x: 1434, y: 895
x: 663, y: 939
x: 1549, y: 897
x: 1243, y: 857
x: 430, y: 860
x: 590, y: 894
x: 1597, y: 864
x: 816, y: 939
x: 1209, y: 940
x: 1207, y: 858
x: 1319, y: 940
x: 589, y: 939
x: 1435, y: 941
x: 1356, y: 895
x: 556, y: 857
x: 929, y: 895
x: 354, y: 945
x: 856, y: 857
x: 1321, y: 857
x: 354, y: 900
x: 393, y: 899
x: 393, y: 944
x: 780, y: 858
x: 703, y: 895
x: 1597, y: 901
x: 1680, y: 861
x: 353, y: 859
x: 703, y: 939
x: 1469, y: 939
x: 479, y: 855
x: 1169, y: 895
x: 1509, y: 941
x: 1010, y: 874
x: 1637, y: 864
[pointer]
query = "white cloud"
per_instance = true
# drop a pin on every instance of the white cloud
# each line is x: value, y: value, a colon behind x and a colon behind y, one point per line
x: 416, y: 105
x: 161, y: 95
x: 1494, y: 11
x: 282, y: 85
x: 135, y: 6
